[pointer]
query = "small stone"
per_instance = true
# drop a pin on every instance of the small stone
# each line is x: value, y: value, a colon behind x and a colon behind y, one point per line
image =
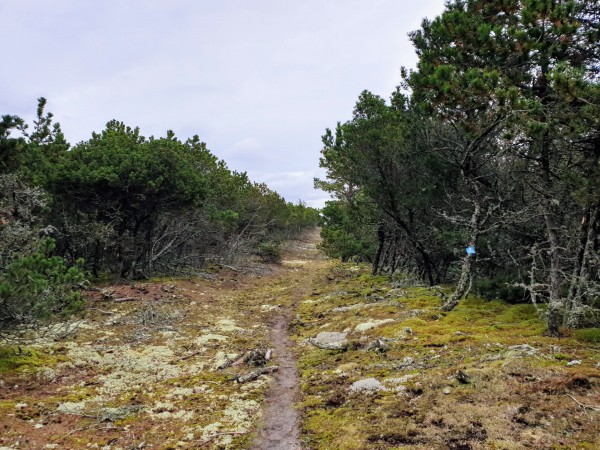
x: 168, y: 288
x: 447, y: 391
x: 331, y: 340
x: 107, y: 294
x: 368, y: 325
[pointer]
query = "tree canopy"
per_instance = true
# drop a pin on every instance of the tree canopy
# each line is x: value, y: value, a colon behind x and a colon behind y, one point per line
x: 493, y: 142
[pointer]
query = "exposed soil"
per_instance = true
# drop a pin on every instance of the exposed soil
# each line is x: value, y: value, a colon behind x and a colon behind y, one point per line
x: 280, y: 427
x: 161, y: 370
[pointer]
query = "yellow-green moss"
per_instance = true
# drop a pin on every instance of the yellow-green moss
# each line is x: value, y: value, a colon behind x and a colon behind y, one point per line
x: 588, y: 335
x: 24, y: 359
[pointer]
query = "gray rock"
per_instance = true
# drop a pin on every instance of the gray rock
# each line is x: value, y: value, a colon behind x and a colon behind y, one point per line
x: 348, y: 308
x: 397, y: 293
x: 368, y: 325
x: 329, y: 337
x: 521, y: 350
x: 330, y: 340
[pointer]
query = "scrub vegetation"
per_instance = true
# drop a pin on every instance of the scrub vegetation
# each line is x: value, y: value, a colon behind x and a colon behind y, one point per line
x: 483, y: 376
x: 121, y: 205
x: 160, y: 363
x: 154, y: 371
x: 491, y: 143
x: 151, y: 298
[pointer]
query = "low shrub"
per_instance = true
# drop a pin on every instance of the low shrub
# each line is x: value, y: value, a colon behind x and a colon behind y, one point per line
x: 270, y: 251
x: 39, y: 287
x: 588, y: 335
x: 501, y: 289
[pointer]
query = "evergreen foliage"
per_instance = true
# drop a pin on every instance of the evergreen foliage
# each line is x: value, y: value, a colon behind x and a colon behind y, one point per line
x: 38, y: 287
x: 123, y: 204
x: 495, y: 145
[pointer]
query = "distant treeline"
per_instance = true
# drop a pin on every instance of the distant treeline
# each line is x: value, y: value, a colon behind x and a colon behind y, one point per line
x: 493, y: 142
x: 123, y: 204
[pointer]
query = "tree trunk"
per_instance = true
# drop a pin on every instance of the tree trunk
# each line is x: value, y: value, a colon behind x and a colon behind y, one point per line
x: 381, y: 238
x: 555, y: 302
x: 464, y: 283
x: 463, y: 286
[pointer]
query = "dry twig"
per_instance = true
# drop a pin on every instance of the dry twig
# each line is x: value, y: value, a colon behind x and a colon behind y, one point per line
x: 592, y: 407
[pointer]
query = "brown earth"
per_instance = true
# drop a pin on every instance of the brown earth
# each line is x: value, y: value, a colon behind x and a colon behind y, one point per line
x: 144, y: 368
x: 151, y: 366
x: 280, y: 428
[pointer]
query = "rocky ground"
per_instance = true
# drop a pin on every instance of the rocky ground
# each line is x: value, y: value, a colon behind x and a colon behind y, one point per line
x: 309, y: 354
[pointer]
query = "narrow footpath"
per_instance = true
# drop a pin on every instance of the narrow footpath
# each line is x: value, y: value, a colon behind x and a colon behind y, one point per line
x: 280, y: 428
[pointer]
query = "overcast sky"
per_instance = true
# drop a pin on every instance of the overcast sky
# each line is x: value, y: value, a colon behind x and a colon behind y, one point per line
x: 258, y: 80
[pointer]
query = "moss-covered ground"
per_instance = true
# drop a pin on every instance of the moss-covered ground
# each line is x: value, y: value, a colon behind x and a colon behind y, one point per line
x: 483, y: 376
x: 143, y: 372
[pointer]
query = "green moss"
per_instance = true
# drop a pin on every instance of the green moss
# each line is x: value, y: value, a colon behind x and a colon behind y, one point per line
x: 367, y: 280
x: 414, y: 323
x: 23, y: 359
x: 563, y: 357
x: 519, y: 313
x: 588, y: 335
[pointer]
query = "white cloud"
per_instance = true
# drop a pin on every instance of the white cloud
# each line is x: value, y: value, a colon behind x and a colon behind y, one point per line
x: 258, y: 81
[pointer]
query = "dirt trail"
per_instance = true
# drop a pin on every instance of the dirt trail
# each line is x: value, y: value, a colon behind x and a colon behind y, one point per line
x: 280, y: 428
x: 148, y: 372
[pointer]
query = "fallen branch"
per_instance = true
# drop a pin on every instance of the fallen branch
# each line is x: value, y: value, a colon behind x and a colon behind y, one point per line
x: 592, y: 407
x: 191, y: 355
x: 233, y: 362
x: 229, y: 267
x: 255, y: 374
x: 124, y: 299
x: 108, y: 313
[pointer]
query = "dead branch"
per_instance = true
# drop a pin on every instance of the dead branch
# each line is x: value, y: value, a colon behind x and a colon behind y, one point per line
x: 592, y: 407
x: 124, y: 299
x: 255, y: 374
x: 183, y: 358
x: 239, y: 359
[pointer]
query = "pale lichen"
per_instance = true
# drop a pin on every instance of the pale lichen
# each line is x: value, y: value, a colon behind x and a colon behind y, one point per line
x: 227, y: 325
x: 76, y: 408
x: 373, y: 324
x: 201, y: 340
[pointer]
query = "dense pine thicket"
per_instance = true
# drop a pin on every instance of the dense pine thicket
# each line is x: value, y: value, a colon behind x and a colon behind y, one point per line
x: 122, y: 204
x: 492, y: 141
